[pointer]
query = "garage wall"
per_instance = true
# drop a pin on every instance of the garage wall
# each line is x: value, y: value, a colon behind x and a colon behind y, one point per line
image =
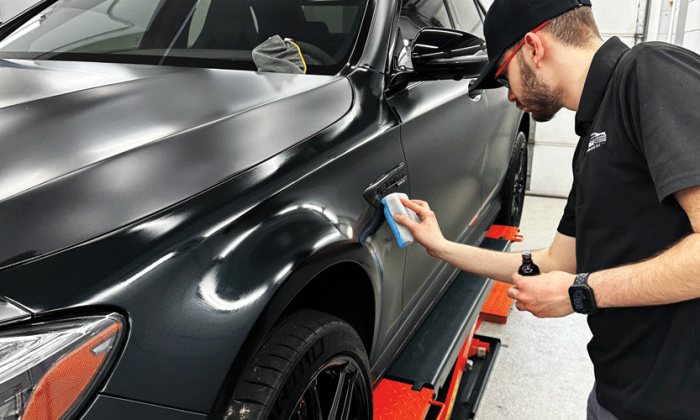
x: 10, y: 8
x: 676, y: 21
x: 692, y: 27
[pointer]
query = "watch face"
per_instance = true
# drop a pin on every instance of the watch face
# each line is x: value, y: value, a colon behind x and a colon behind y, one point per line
x: 581, y: 299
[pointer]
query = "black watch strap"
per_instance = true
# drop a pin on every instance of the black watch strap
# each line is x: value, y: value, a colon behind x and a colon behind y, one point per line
x: 581, y: 295
x: 582, y: 278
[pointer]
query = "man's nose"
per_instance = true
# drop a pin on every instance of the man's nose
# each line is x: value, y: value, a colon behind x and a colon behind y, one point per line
x: 511, y: 95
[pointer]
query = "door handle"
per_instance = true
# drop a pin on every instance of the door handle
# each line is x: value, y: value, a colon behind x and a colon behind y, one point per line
x: 383, y: 185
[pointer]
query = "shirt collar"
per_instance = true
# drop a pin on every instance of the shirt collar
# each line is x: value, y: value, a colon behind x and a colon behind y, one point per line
x: 604, y: 63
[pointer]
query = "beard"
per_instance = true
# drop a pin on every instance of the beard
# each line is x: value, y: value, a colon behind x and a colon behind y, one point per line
x: 542, y: 101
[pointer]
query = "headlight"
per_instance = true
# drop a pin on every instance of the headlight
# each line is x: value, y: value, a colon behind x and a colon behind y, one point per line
x: 47, y: 371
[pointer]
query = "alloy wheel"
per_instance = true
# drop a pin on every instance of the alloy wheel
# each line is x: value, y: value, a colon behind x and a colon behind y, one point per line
x: 335, y: 393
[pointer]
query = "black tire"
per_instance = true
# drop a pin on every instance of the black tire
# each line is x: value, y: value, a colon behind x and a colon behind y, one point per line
x: 311, y: 362
x: 513, y: 191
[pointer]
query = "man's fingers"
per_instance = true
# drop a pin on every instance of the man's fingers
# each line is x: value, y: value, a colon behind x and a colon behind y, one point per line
x: 513, y: 293
x: 400, y: 218
x: 517, y: 278
x: 420, y: 207
x: 520, y: 306
x: 413, y: 206
x: 421, y: 203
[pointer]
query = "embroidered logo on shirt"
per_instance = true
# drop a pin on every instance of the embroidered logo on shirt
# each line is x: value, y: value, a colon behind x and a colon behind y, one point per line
x: 597, y: 140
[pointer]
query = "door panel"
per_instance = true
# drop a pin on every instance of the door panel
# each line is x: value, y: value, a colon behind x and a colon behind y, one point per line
x: 444, y: 134
x: 501, y: 134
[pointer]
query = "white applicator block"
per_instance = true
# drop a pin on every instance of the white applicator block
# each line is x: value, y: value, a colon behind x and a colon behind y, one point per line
x: 393, y: 206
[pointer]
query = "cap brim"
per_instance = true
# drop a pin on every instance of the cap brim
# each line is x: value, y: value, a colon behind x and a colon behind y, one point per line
x: 487, y: 79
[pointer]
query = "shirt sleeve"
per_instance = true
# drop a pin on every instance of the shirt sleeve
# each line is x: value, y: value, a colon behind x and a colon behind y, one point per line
x: 567, y: 224
x: 664, y: 96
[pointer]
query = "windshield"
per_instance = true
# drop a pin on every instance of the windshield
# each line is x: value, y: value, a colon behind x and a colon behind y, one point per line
x: 200, y: 33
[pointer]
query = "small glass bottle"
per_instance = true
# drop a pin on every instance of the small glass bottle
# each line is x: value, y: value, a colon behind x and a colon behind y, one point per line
x: 528, y: 268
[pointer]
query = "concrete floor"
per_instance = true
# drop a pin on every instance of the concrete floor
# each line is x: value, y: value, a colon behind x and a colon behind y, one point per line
x: 542, y: 371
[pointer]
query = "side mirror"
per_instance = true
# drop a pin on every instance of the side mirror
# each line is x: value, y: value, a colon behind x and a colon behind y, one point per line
x: 443, y: 54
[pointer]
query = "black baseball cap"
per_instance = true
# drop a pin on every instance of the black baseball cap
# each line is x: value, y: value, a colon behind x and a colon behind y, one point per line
x: 507, y: 22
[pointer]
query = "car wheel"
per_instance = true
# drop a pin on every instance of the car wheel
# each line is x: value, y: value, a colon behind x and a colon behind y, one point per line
x: 513, y: 192
x: 312, y: 366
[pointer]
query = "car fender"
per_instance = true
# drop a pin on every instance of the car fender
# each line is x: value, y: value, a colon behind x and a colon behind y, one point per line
x: 305, y: 241
x: 216, y: 299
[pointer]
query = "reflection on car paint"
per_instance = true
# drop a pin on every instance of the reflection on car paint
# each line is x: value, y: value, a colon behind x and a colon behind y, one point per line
x: 237, y: 241
x: 207, y: 291
x: 160, y: 226
x: 111, y: 292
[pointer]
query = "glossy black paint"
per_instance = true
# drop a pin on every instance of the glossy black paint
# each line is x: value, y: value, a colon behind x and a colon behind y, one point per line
x: 200, y: 203
x: 440, y: 54
x: 437, y: 43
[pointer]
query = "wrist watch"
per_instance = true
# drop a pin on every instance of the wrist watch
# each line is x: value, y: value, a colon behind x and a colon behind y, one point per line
x: 582, y: 298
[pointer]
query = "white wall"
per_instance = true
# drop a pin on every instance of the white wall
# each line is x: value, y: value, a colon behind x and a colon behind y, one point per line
x: 618, y: 18
x: 691, y: 39
x: 666, y: 27
x: 10, y: 8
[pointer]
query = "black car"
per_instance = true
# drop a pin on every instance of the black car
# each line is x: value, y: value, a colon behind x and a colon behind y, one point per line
x: 185, y: 237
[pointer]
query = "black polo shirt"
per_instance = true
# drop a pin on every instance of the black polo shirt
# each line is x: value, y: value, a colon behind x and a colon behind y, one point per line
x: 639, y: 122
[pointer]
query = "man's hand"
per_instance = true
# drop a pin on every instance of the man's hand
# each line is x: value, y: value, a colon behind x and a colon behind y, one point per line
x: 546, y: 295
x: 427, y: 233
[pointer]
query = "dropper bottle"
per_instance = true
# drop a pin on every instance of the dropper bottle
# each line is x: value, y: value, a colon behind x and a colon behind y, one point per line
x: 528, y: 268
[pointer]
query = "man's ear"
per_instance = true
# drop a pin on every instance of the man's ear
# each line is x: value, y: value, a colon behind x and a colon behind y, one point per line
x: 534, y: 48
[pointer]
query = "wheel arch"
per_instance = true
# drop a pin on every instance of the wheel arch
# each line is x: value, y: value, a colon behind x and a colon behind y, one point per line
x: 525, y: 126
x: 344, y: 290
x: 326, y: 273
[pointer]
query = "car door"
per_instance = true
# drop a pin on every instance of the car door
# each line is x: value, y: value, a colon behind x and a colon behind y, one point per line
x: 444, y: 133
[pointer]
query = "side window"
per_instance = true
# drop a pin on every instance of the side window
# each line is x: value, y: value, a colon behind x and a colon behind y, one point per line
x: 468, y: 16
x: 419, y: 14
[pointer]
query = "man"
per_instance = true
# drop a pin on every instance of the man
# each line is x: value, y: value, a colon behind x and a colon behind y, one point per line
x: 630, y: 234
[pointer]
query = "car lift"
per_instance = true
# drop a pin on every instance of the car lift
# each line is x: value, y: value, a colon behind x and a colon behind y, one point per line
x: 442, y: 371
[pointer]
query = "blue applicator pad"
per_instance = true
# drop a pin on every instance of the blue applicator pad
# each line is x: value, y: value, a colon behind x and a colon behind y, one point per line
x: 392, y: 206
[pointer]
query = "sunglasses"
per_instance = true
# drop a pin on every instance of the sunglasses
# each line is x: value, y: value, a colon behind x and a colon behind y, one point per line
x: 502, y: 79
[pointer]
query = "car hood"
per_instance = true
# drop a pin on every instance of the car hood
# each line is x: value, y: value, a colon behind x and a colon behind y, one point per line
x: 86, y: 148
